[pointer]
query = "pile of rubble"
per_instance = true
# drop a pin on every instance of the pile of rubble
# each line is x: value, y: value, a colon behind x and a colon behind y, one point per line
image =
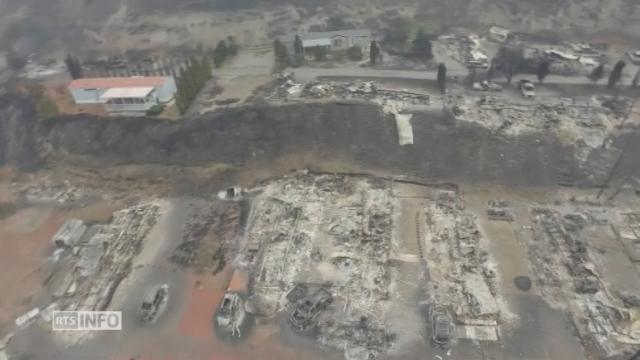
x: 305, y: 231
x: 288, y: 89
x: 48, y: 192
x: 568, y: 277
x: 93, y: 264
x: 463, y: 278
x: 465, y: 49
x: 498, y: 210
x: 588, y: 121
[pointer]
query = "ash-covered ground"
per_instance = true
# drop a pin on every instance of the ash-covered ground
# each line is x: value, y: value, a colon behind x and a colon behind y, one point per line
x: 372, y: 252
x: 308, y: 135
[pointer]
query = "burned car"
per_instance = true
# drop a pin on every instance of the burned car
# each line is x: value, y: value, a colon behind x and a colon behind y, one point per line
x: 154, y: 303
x: 442, y: 331
x: 306, y: 311
x: 231, y: 314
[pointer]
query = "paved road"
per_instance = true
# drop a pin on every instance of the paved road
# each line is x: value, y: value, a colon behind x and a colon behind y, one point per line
x: 307, y: 74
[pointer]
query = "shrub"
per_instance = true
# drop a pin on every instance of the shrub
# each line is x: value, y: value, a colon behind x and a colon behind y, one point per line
x: 155, y: 110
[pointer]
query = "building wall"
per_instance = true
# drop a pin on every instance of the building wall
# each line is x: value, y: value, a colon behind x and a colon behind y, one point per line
x: 166, y: 92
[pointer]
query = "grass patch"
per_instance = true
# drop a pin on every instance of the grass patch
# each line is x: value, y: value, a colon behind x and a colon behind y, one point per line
x: 46, y: 108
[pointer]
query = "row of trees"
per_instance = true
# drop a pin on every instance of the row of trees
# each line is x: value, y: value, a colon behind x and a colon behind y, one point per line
x: 225, y: 49
x: 74, y: 66
x: 191, y: 80
x: 511, y: 61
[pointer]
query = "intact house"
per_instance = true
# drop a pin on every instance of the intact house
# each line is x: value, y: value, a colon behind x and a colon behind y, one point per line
x: 339, y: 40
x: 124, y: 94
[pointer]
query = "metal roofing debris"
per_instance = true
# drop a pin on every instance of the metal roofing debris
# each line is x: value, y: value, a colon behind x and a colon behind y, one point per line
x: 91, y: 254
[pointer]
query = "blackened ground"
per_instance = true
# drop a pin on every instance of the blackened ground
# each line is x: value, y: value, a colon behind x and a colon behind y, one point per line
x: 357, y: 134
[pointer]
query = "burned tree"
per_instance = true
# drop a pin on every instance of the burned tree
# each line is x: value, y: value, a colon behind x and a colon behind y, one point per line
x: 422, y: 45
x: 616, y: 74
x: 510, y: 61
x: 374, y: 52
x: 220, y: 53
x: 281, y: 53
x: 597, y: 73
x: 442, y: 77
x: 298, y: 47
x: 543, y: 70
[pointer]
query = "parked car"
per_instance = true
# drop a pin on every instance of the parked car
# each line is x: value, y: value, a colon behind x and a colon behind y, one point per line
x: 231, y: 314
x: 154, y: 302
x: 527, y: 88
x: 486, y: 86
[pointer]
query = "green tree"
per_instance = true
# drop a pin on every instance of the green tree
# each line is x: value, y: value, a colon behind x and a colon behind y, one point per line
x: 544, y: 67
x: 74, y: 67
x: 220, y: 53
x: 206, y: 68
x: 616, y: 74
x: 597, y: 73
x: 422, y: 45
x: 191, y: 76
x: 281, y: 53
x: 180, y: 103
x: 442, y: 77
x: 185, y: 87
x: 298, y: 47
x: 374, y: 52
x: 510, y: 61
x: 398, y: 30
x: 232, y: 46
